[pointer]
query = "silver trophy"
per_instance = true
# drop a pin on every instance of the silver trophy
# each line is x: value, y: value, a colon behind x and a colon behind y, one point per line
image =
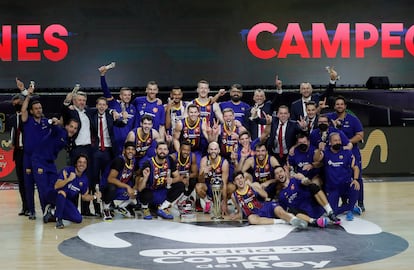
x: 75, y: 89
x: 216, y: 186
x: 328, y: 69
x: 123, y: 109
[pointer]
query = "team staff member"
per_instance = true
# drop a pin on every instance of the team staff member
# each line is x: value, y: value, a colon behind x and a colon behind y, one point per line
x: 71, y: 182
x: 16, y: 141
x: 45, y: 154
x: 239, y: 107
x: 341, y: 176
x: 35, y: 127
x: 351, y: 126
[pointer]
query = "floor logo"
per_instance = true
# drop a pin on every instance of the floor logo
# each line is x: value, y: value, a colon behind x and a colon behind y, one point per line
x: 158, y: 244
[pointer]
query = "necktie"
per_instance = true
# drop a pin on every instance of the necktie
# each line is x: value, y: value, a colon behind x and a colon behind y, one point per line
x: 279, y: 139
x: 101, y: 135
x: 262, y: 127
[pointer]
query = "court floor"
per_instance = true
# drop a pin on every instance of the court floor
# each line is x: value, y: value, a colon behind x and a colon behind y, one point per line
x: 28, y: 244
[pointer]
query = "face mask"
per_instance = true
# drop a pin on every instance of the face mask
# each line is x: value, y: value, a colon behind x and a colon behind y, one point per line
x: 337, y: 146
x: 18, y: 107
x: 323, y: 127
x: 302, y: 147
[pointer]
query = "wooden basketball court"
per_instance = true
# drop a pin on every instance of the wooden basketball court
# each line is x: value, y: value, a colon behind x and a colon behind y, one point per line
x: 28, y: 244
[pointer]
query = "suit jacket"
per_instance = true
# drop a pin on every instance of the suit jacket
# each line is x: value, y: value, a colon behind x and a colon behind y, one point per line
x: 95, y: 128
x: 68, y: 114
x: 253, y: 125
x: 292, y: 129
x: 12, y: 123
x: 296, y: 108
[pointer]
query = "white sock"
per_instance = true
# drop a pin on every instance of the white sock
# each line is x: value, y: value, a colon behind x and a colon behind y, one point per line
x: 124, y: 203
x: 106, y: 206
x: 278, y: 221
x: 328, y: 208
x: 165, y: 204
x: 311, y: 220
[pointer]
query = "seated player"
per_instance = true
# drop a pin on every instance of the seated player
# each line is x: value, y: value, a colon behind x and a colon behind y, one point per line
x: 71, y: 182
x: 247, y: 199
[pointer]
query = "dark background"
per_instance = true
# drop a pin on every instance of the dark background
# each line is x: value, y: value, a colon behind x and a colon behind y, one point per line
x: 180, y: 42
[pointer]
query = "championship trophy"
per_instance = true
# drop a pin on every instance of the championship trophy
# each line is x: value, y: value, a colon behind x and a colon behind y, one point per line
x: 216, y: 186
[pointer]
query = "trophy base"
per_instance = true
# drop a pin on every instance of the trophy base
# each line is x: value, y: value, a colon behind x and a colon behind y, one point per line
x: 189, y: 217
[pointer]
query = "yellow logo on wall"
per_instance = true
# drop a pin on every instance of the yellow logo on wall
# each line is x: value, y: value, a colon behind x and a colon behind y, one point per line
x: 375, y: 138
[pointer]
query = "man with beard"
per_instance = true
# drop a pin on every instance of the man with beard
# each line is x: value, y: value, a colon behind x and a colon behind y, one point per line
x: 174, y: 109
x: 118, y: 182
x: 71, y: 182
x: 145, y: 138
x: 261, y: 169
x: 246, y: 198
x: 159, y: 183
x: 188, y: 172
x: 239, y: 107
x: 350, y: 125
x: 35, y: 127
x: 44, y: 156
x: 213, y: 168
x: 299, y: 196
x: 301, y: 159
x: 123, y: 108
x: 341, y: 175
x: 149, y: 105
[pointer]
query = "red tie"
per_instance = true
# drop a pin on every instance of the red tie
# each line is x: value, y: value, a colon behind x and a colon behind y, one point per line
x: 101, y: 135
x: 279, y: 138
x: 262, y: 127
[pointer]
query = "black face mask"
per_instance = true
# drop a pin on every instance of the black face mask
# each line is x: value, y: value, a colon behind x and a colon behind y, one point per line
x: 18, y: 107
x: 323, y: 127
x: 337, y: 146
x: 302, y: 147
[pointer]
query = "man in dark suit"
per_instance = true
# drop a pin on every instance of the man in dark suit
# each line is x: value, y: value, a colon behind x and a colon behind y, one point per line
x: 298, y: 107
x: 283, y: 134
x: 102, y: 124
x: 259, y: 110
x: 16, y: 139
